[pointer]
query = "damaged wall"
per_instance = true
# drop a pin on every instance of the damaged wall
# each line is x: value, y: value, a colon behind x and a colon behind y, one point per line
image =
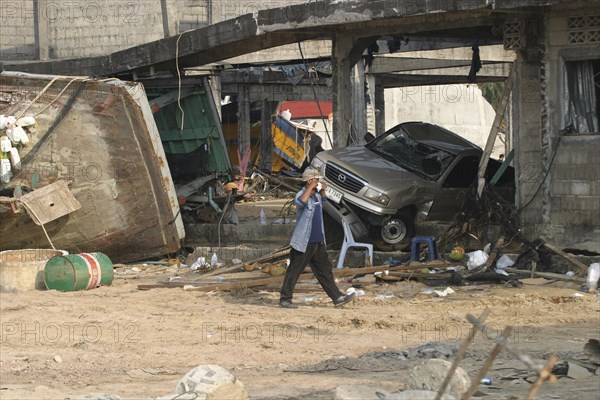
x: 43, y: 29
x: 559, y: 173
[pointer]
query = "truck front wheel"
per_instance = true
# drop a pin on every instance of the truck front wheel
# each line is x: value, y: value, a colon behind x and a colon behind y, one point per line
x: 395, y: 233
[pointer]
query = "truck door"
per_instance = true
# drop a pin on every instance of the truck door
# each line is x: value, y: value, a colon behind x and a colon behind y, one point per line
x: 453, y: 189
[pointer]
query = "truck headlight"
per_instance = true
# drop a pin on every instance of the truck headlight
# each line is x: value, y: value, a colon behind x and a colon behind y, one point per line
x: 377, y: 197
x: 317, y: 163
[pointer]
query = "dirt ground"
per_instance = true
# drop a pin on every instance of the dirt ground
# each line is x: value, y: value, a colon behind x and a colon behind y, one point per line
x: 121, y: 341
x: 137, y: 344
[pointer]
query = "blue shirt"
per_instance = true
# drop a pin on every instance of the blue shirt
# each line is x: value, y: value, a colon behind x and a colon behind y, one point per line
x: 304, y: 220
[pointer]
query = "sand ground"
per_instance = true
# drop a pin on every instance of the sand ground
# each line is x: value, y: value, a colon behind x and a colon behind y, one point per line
x: 137, y: 344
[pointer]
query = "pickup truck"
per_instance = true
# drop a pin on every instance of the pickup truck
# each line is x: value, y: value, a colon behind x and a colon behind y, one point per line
x: 414, y: 171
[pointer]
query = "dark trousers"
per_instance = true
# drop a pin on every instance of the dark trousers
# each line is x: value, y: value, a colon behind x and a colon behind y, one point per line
x: 315, y: 256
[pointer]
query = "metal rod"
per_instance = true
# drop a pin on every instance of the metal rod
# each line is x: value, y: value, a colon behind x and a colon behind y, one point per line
x: 545, y: 375
x: 512, y: 350
x: 486, y: 365
x: 461, y: 353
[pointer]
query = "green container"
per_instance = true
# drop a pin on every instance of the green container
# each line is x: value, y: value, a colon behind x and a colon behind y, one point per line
x: 78, y: 272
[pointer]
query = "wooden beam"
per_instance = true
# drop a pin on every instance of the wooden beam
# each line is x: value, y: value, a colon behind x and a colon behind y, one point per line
x: 574, y: 261
x: 208, y: 287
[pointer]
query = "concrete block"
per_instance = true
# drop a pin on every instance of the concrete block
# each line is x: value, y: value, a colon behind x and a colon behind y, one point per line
x: 572, y: 172
x: 581, y: 188
x: 417, y: 395
x: 580, y: 203
x: 358, y: 392
x: 431, y: 374
x: 575, y: 218
x: 576, y: 188
x: 558, y: 187
x: 211, y: 382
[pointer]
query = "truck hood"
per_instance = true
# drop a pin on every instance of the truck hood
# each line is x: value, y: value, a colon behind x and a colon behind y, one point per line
x: 370, y: 167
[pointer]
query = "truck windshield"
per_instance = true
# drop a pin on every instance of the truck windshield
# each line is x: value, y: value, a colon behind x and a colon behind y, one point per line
x: 398, y: 147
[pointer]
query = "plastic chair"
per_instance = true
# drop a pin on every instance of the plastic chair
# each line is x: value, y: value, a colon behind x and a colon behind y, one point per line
x: 349, y: 242
x: 415, y: 250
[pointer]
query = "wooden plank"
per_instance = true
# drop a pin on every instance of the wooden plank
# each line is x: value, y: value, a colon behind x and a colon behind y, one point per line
x: 50, y: 202
x: 547, y: 275
x: 207, y: 287
x: 571, y: 258
x: 489, y: 146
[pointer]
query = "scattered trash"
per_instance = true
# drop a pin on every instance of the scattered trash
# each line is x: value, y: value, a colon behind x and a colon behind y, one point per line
x: 504, y: 261
x: 200, y: 263
x: 486, y: 381
x: 385, y: 296
x: 57, y: 359
x: 380, y: 273
x: 592, y: 277
x: 476, y: 259
x: 570, y: 274
x: 487, y: 248
x: 175, y: 278
x: 263, y: 217
x: 357, y: 293
x: 457, y: 253
x: 307, y: 299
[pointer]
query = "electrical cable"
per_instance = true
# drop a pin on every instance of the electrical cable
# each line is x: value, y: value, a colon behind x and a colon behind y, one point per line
x: 179, y: 77
x: 38, y: 220
x: 315, y: 95
x: 543, y: 178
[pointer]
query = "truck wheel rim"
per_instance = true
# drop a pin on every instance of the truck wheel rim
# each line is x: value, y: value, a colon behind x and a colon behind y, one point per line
x: 393, y: 232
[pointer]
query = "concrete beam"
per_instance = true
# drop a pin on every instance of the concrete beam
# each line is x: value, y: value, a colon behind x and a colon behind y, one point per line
x: 284, y: 25
x: 389, y: 81
x: 281, y: 92
x: 386, y: 65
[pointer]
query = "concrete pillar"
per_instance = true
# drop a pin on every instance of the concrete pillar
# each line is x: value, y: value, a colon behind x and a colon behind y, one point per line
x: 379, y: 110
x: 243, y: 122
x: 165, y: 17
x: 528, y: 132
x: 215, y: 88
x: 359, y: 106
x: 346, y: 52
x: 266, y: 138
x: 371, y: 104
x: 40, y: 24
x: 342, y: 111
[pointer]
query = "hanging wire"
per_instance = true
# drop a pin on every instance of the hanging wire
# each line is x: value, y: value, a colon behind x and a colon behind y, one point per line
x: 315, y: 94
x: 179, y: 77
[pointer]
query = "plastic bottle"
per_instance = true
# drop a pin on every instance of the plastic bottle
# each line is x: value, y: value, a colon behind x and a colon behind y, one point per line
x: 486, y: 381
x: 592, y: 277
x: 263, y: 217
x: 15, y: 159
x: 5, y: 173
x: 5, y: 144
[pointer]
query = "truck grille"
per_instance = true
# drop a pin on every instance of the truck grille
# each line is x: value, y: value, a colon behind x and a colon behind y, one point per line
x: 343, y: 179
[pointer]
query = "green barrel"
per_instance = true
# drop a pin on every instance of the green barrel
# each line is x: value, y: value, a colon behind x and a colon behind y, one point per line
x: 78, y: 272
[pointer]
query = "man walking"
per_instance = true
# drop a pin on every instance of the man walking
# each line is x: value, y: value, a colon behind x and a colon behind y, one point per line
x: 308, y: 243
